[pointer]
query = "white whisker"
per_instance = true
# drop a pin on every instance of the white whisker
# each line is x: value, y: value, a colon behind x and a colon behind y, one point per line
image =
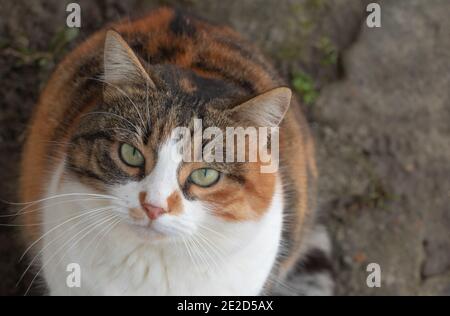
x: 136, y: 129
x: 127, y: 96
x: 59, y: 225
x: 21, y: 212
x: 63, y: 195
x: 105, y: 230
x: 89, y: 228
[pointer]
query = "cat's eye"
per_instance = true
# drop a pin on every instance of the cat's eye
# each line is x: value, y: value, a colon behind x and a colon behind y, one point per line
x: 204, y: 177
x: 131, y: 156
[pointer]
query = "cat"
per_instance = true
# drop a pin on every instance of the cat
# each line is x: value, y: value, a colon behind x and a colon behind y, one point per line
x: 105, y: 191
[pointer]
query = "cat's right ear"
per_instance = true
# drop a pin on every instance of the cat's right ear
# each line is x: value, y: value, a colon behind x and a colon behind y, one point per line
x: 267, y: 109
x: 120, y: 63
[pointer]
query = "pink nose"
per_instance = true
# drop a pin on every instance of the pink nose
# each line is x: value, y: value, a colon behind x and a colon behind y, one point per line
x: 153, y: 212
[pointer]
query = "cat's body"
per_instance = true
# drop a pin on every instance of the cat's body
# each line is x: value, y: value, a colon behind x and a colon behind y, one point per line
x: 242, y: 235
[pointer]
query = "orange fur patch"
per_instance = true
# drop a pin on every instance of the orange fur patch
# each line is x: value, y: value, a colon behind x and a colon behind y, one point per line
x: 187, y: 85
x: 142, y: 197
x: 175, y: 203
x: 234, y: 201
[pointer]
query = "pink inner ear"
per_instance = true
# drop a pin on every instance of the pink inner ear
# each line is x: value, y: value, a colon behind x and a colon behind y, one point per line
x: 120, y: 62
x: 266, y: 109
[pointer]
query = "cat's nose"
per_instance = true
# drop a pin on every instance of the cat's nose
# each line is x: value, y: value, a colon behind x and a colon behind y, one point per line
x: 152, y: 211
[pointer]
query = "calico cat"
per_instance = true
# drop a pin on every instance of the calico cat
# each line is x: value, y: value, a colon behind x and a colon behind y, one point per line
x: 106, y: 192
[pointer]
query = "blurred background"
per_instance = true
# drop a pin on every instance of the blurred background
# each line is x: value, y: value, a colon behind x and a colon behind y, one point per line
x: 377, y: 99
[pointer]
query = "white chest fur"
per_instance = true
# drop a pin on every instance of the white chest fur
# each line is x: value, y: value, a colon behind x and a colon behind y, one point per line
x: 236, y: 260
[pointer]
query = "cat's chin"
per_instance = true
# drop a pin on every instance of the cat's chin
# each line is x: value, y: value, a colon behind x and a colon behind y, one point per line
x: 149, y: 233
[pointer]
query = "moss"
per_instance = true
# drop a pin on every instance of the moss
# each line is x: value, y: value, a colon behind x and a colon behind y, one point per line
x: 315, y: 5
x: 301, y: 26
x: 4, y: 43
x: 304, y: 85
x: 61, y: 40
x: 26, y: 55
x: 378, y: 194
x: 328, y: 51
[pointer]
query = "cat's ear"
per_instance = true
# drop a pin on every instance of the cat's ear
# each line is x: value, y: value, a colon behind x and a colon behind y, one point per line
x: 267, y: 109
x: 120, y: 63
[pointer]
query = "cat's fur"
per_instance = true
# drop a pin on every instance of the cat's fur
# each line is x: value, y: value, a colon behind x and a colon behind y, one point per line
x: 251, y: 233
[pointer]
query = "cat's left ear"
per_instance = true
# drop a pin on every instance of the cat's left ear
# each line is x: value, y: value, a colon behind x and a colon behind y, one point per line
x: 120, y: 63
x: 267, y: 109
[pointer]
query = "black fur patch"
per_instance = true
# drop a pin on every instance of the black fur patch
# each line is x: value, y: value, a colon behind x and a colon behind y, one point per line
x: 314, y: 261
x: 240, y: 82
x: 182, y: 25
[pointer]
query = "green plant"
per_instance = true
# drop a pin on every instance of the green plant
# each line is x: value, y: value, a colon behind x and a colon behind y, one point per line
x: 328, y: 51
x: 304, y: 85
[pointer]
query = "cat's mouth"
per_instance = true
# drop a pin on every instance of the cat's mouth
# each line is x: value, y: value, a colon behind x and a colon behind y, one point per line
x: 147, y: 230
x: 150, y: 229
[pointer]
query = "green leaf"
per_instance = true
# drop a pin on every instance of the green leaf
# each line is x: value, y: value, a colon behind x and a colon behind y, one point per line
x: 304, y: 85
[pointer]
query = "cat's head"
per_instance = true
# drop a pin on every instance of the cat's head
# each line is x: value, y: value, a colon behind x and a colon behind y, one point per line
x: 125, y: 146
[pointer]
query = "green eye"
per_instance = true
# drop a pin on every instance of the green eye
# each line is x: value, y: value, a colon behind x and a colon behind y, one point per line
x: 131, y: 156
x: 204, y: 177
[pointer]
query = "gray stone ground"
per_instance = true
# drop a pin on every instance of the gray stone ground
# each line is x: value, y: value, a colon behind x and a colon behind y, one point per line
x: 378, y: 101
